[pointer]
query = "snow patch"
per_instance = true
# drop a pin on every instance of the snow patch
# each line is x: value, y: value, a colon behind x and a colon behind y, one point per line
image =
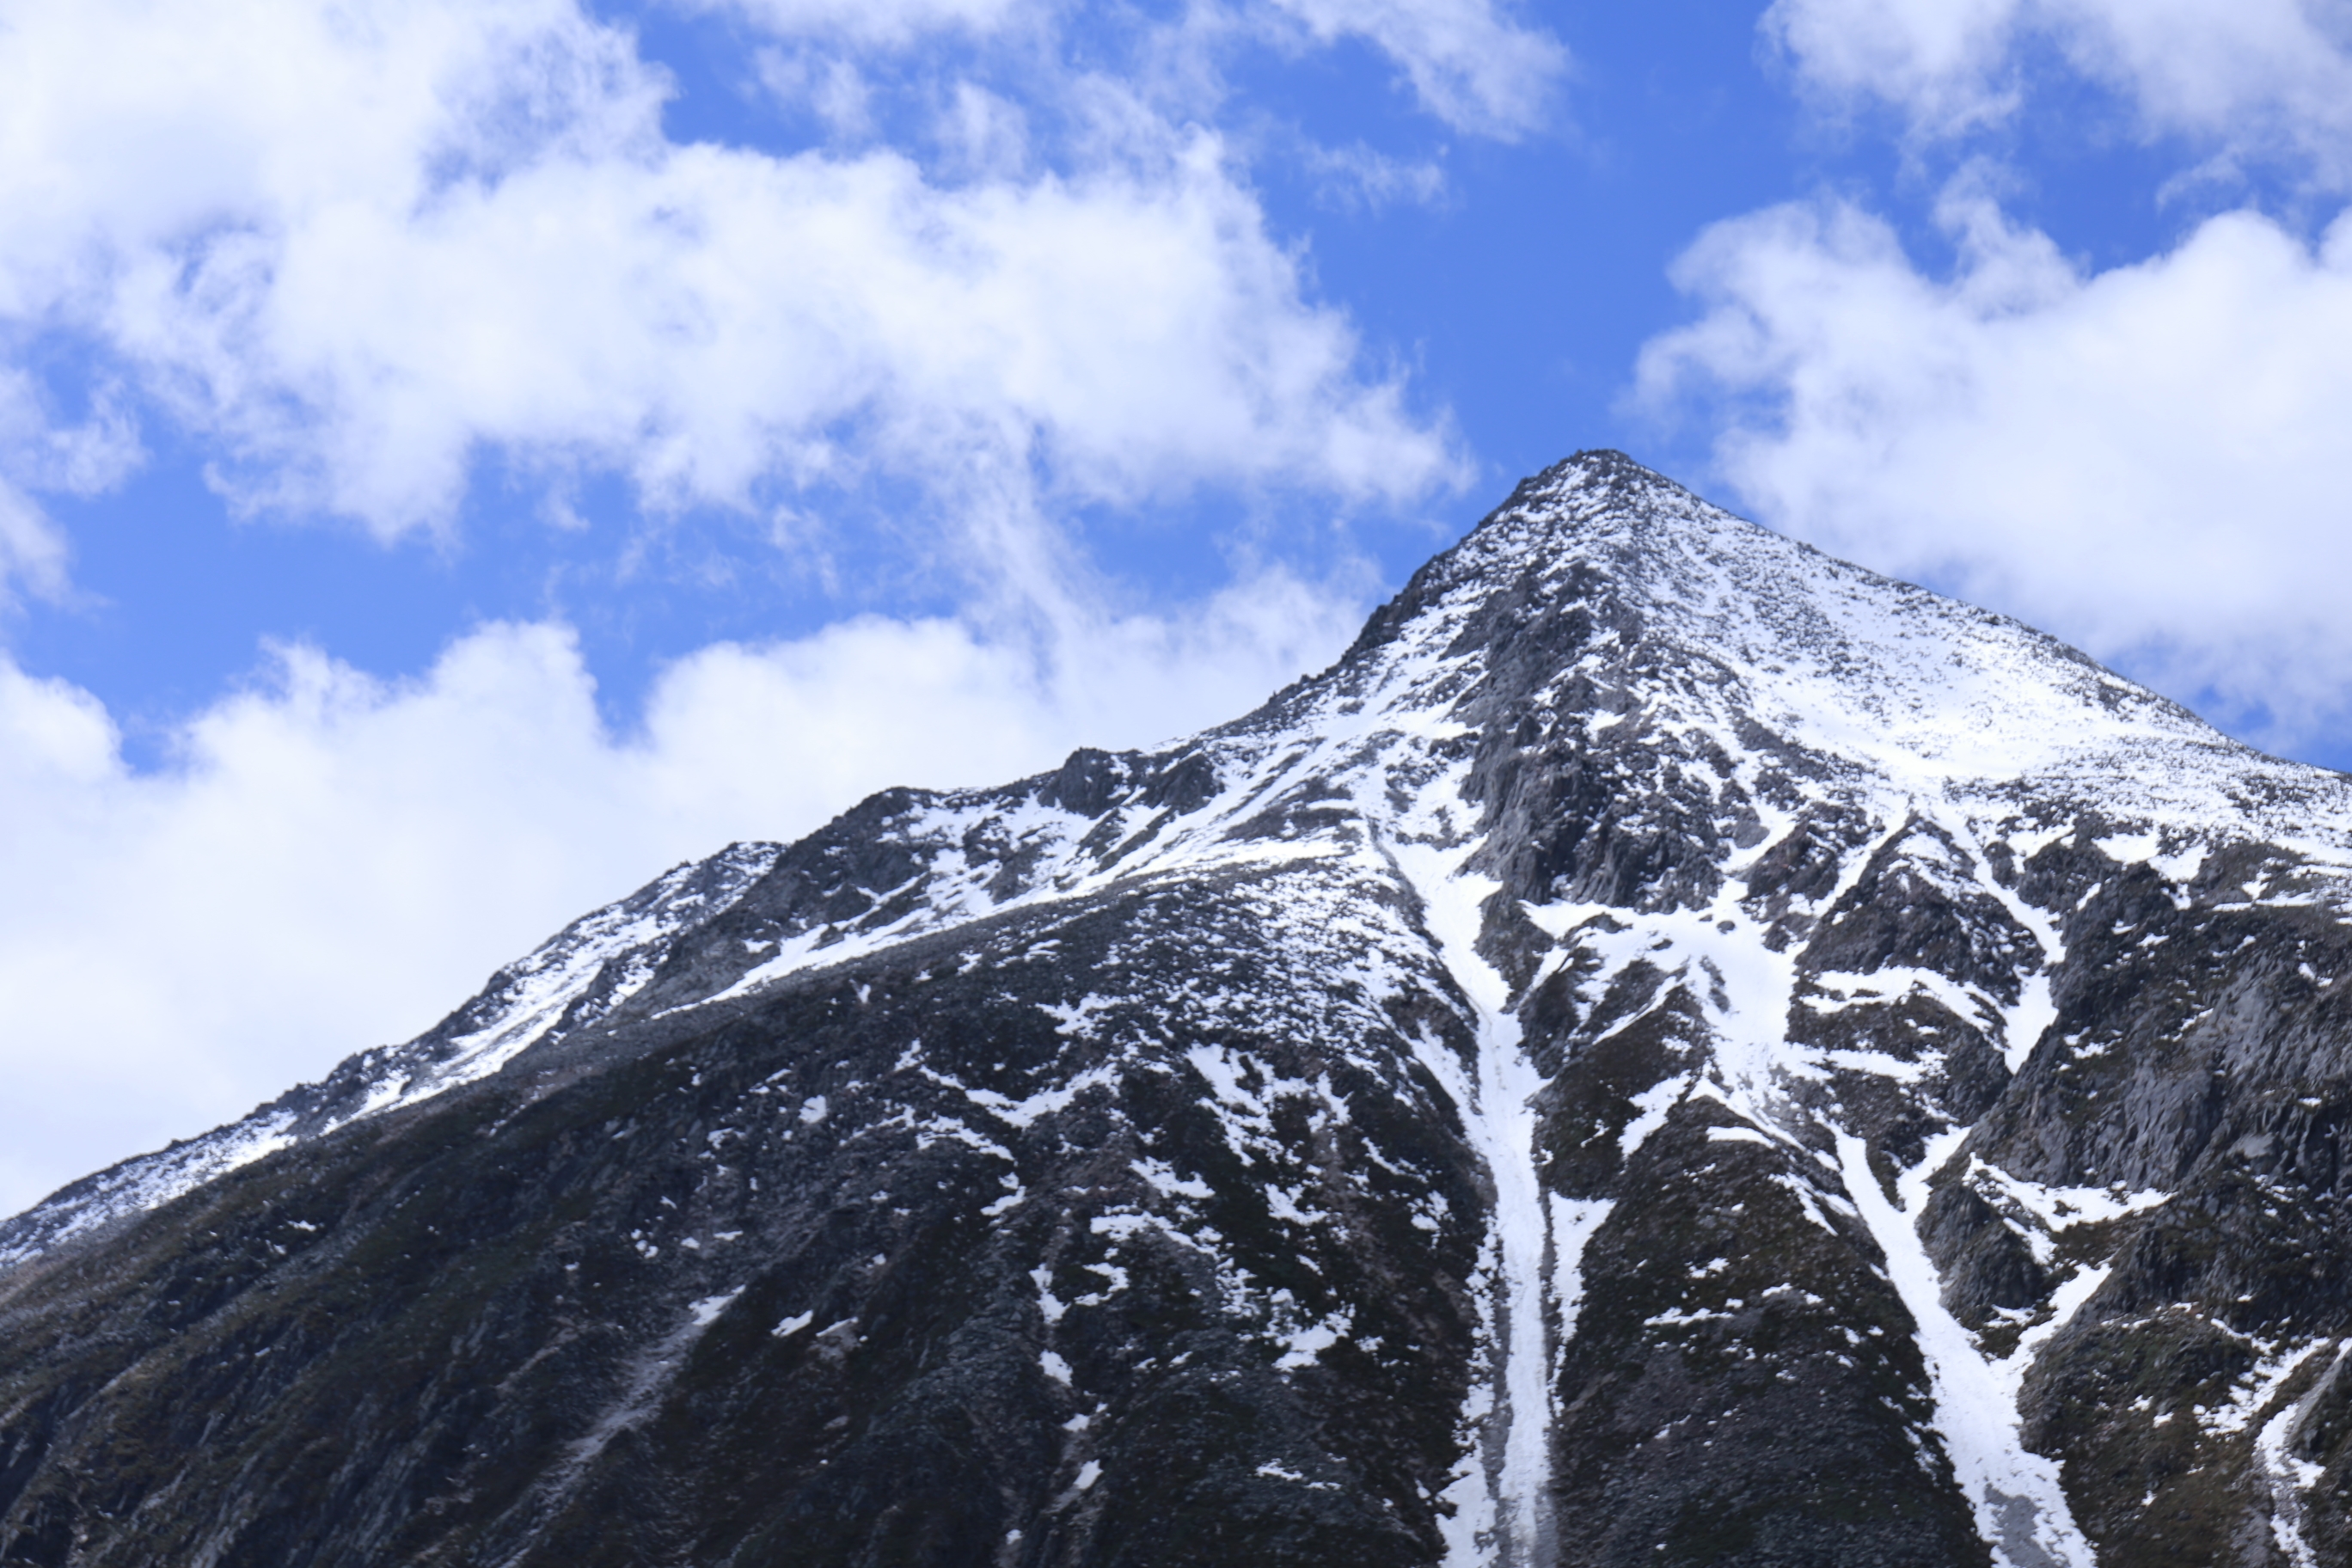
x: 1513, y: 1414
x: 706, y: 1312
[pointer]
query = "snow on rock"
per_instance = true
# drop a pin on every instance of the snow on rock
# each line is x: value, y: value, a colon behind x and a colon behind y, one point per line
x: 583, y: 973
x: 1654, y: 938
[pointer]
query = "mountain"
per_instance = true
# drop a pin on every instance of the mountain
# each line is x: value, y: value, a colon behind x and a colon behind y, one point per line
x: 1675, y: 1050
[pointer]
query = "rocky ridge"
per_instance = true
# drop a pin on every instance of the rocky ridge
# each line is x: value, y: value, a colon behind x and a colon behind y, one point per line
x: 1676, y: 1049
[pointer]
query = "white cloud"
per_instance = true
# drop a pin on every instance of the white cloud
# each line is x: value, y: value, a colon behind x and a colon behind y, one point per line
x: 332, y: 862
x: 1470, y: 65
x: 2246, y: 75
x: 755, y: 318
x: 2149, y: 461
x: 355, y: 246
x: 1943, y: 59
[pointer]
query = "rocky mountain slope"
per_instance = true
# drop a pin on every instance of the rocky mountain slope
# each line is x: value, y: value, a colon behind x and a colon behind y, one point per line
x: 1676, y: 1050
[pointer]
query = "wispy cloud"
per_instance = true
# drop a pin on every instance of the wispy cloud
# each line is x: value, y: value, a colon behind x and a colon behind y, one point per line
x: 878, y: 24
x: 2245, y: 77
x: 1358, y: 176
x: 1469, y: 62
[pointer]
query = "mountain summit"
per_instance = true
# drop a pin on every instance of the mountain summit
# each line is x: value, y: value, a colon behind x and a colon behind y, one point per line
x: 1676, y: 1050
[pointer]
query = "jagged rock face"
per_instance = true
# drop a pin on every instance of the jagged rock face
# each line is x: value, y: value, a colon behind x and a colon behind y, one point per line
x: 1676, y: 1050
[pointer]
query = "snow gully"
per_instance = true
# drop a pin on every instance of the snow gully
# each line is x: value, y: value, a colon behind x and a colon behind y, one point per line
x: 1503, y: 1517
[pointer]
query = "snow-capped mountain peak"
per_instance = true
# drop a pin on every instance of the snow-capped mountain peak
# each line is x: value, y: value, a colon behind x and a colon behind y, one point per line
x: 1675, y: 1050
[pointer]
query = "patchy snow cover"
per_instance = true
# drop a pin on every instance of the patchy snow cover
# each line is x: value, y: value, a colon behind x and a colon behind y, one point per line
x: 1958, y: 739
x: 2038, y: 1212
x: 144, y: 1183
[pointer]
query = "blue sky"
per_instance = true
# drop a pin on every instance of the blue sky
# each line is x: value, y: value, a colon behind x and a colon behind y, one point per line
x: 458, y: 459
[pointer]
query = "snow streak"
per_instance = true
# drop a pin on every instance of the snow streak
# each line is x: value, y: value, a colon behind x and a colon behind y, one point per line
x: 1502, y: 1515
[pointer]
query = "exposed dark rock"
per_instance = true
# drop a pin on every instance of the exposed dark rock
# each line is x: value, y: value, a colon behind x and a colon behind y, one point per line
x: 1676, y: 1050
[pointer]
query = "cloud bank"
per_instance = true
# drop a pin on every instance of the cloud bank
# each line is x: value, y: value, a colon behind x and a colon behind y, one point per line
x: 355, y: 248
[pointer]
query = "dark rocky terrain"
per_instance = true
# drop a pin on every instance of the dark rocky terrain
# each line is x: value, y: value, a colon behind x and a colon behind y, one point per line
x: 1676, y: 1050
